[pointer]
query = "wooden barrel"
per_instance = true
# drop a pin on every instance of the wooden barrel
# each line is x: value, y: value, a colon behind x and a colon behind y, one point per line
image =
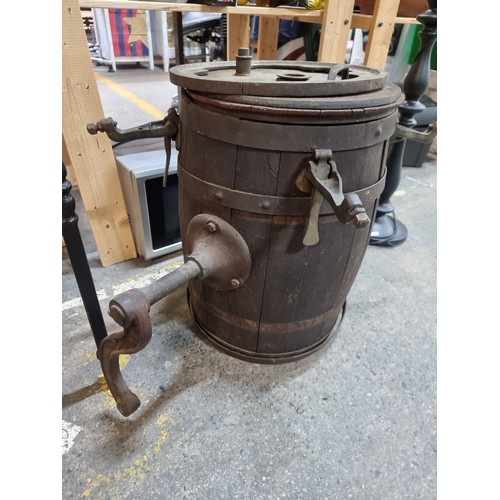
x: 240, y: 157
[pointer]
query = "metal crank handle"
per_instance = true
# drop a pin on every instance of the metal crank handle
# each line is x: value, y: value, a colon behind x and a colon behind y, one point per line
x: 131, y: 311
x: 161, y: 128
x: 216, y: 253
x: 414, y: 135
x: 168, y: 128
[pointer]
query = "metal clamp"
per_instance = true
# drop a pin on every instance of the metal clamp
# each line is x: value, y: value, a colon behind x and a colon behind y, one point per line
x: 414, y: 135
x: 167, y: 128
x: 322, y: 179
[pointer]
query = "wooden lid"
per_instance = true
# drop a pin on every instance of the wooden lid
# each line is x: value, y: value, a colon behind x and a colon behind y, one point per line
x: 278, y: 78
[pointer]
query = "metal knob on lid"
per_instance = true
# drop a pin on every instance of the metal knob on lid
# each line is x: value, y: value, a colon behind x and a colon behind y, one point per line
x: 243, y: 62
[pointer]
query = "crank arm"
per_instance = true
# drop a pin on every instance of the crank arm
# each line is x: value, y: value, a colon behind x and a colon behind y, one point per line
x: 161, y: 128
x: 168, y: 128
x: 131, y: 311
x: 216, y: 253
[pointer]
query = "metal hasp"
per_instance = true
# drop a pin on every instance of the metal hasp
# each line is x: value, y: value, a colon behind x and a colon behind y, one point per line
x: 387, y: 230
x: 216, y: 253
x: 322, y: 179
x: 167, y: 128
x: 424, y: 137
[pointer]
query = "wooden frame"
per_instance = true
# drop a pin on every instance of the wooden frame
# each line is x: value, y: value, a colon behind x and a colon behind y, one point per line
x: 91, y: 157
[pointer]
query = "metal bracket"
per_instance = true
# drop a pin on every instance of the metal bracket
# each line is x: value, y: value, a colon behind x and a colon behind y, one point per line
x: 322, y: 179
x: 414, y: 135
x: 167, y: 128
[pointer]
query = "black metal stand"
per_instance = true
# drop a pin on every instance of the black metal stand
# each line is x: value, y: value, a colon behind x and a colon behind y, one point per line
x: 387, y: 230
x: 79, y: 262
x: 178, y: 37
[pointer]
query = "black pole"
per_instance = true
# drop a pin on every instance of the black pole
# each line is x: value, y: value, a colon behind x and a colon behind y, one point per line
x: 178, y: 33
x: 387, y: 230
x: 79, y: 262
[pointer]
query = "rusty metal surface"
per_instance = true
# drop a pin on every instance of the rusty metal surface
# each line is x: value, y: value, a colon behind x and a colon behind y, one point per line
x: 167, y: 128
x: 265, y: 80
x: 216, y: 253
x: 159, y: 128
x: 131, y: 311
x: 219, y: 250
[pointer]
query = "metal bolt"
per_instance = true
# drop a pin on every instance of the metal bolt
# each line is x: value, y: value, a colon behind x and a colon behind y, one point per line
x: 361, y: 220
x: 211, y: 227
x: 117, y: 314
x: 93, y: 128
x: 380, y: 24
x: 265, y: 205
x: 346, y: 21
x: 235, y: 283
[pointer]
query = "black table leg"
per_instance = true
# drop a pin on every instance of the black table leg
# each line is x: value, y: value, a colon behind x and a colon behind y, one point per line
x: 79, y: 262
x: 387, y: 230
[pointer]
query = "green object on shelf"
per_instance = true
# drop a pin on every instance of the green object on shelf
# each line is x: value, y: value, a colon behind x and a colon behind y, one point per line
x: 415, y: 46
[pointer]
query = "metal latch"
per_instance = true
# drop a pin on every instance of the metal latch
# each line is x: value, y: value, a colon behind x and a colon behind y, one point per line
x: 167, y: 128
x: 322, y: 179
x: 424, y: 137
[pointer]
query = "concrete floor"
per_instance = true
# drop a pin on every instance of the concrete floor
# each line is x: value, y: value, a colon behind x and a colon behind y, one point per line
x: 355, y: 420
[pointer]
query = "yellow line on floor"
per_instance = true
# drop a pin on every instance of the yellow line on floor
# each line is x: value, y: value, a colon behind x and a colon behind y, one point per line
x: 140, y: 103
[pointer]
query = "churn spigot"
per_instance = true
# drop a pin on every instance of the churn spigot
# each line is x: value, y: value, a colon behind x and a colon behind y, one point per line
x: 216, y: 253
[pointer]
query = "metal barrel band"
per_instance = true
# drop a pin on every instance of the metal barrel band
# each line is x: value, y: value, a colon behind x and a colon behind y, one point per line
x: 262, y: 204
x: 257, y: 356
x: 253, y: 134
x: 335, y: 108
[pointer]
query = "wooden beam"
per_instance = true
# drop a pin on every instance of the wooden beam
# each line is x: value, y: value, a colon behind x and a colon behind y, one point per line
x: 363, y: 21
x: 380, y: 33
x: 91, y: 157
x: 290, y: 13
x: 238, y: 34
x: 267, y: 44
x: 335, y: 30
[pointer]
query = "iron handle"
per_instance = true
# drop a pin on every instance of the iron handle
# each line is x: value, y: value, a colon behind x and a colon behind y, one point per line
x: 336, y: 69
x: 161, y: 128
x: 167, y: 128
x: 216, y: 253
x: 426, y: 136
